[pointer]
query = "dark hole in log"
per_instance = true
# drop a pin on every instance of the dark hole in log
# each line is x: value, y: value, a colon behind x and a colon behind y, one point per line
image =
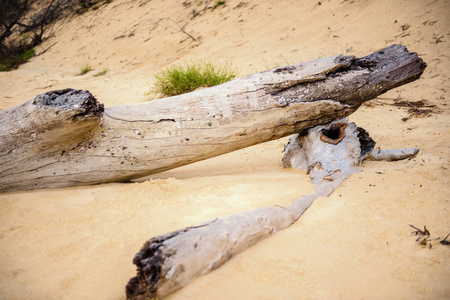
x: 334, y: 134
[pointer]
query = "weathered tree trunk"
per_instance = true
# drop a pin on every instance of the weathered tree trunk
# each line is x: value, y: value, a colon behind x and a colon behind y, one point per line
x: 168, y: 262
x: 66, y: 138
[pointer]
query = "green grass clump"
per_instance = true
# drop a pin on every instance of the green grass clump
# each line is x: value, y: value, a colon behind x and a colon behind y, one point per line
x: 28, y: 54
x: 104, y: 70
x: 217, y: 4
x: 178, y: 79
x: 86, y: 69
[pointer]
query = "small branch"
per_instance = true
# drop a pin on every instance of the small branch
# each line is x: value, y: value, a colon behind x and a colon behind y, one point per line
x: 194, y: 39
x: 421, y: 233
x: 46, y: 49
x: 196, y: 13
x: 444, y: 241
x: 392, y: 155
x: 182, y: 28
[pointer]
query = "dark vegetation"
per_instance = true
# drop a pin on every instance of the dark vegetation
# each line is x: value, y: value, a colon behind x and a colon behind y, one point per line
x: 415, y: 109
x: 24, y: 24
x: 424, y: 237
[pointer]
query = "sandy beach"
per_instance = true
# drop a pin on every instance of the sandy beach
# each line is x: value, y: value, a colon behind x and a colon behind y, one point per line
x: 78, y: 243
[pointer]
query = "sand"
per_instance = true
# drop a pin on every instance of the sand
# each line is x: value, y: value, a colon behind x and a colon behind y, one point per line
x: 78, y: 243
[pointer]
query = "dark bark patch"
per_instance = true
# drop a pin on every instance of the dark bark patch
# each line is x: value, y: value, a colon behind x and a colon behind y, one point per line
x: 81, y: 101
x: 366, y: 142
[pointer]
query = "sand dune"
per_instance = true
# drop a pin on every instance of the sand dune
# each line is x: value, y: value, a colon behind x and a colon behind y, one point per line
x: 78, y: 243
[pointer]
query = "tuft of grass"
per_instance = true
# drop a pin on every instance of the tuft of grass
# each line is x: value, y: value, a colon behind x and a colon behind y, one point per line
x: 102, y: 72
x: 85, y: 69
x: 217, y: 4
x: 178, y: 79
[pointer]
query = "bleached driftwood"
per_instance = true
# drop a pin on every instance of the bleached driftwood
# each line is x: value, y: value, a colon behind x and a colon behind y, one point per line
x: 168, y: 262
x: 328, y: 164
x: 391, y: 155
x: 66, y: 138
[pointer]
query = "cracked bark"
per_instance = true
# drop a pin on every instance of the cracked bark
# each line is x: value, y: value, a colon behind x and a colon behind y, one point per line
x: 66, y: 138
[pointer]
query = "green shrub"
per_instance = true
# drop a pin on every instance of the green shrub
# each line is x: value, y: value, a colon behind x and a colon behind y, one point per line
x: 28, y: 54
x: 14, y: 61
x: 178, y: 79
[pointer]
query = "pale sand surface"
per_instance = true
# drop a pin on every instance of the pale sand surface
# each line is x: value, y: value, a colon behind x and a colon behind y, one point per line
x: 78, y: 243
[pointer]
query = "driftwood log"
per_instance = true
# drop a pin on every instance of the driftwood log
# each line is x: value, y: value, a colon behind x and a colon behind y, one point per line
x: 67, y: 138
x: 329, y: 153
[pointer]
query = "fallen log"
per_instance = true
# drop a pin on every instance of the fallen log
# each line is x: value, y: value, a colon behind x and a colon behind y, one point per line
x: 168, y: 262
x: 67, y: 138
